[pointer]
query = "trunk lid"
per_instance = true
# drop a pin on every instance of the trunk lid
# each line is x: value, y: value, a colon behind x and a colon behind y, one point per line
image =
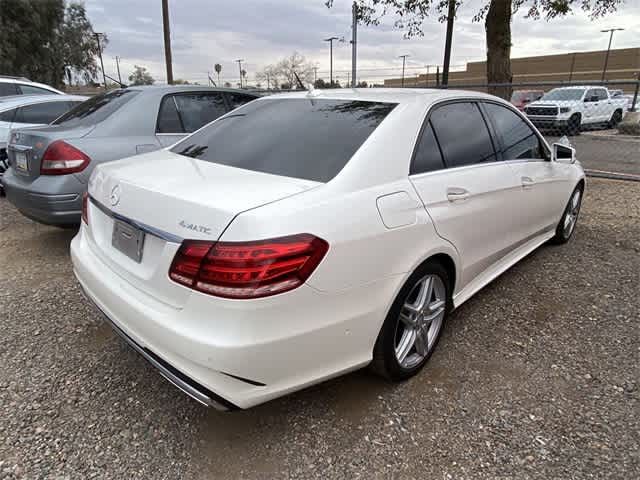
x: 32, y: 142
x: 171, y: 197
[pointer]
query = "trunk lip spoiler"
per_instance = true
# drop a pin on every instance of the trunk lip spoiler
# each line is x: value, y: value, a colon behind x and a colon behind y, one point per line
x: 156, y: 232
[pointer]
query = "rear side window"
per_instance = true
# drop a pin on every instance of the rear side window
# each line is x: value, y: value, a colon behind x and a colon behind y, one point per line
x: 168, y: 118
x: 7, y: 89
x: 31, y: 90
x: 8, y: 115
x: 518, y: 140
x: 238, y: 99
x: 462, y: 134
x: 198, y: 109
x: 41, y: 112
x: 602, y: 93
x: 427, y: 157
x: 97, y: 108
x: 294, y: 137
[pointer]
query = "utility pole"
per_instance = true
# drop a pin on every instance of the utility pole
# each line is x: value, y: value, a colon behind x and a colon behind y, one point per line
x: 104, y: 78
x: 315, y: 75
x: 167, y: 40
x: 606, y: 58
x: 240, y: 60
x: 404, y: 59
x: 330, y: 40
x: 118, y: 67
x: 354, y: 41
x: 447, y: 46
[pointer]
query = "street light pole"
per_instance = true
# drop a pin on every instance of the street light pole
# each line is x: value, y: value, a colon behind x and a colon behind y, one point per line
x: 606, y: 58
x: 240, y: 60
x: 404, y: 59
x: 354, y: 40
x: 330, y: 40
x: 104, y: 78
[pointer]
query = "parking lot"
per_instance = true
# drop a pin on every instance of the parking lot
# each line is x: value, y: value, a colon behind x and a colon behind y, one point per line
x: 535, y: 377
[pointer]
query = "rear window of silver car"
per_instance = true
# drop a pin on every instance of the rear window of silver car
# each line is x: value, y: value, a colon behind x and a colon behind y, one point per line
x: 304, y: 138
x: 96, y: 109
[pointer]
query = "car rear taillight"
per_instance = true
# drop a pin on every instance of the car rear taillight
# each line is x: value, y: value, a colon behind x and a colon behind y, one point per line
x: 60, y: 158
x: 247, y: 269
x: 85, y: 208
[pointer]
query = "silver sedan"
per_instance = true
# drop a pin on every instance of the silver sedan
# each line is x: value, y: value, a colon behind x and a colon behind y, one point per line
x: 50, y: 166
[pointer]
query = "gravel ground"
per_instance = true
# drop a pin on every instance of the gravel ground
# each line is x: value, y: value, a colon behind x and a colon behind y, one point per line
x: 537, y: 376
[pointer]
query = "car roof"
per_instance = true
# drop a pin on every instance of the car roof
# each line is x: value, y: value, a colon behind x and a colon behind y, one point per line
x: 186, y: 88
x: 13, y: 101
x: 26, y: 81
x: 386, y: 95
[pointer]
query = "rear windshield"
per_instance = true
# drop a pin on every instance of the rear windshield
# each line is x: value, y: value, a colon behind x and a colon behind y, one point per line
x: 96, y: 109
x: 294, y: 137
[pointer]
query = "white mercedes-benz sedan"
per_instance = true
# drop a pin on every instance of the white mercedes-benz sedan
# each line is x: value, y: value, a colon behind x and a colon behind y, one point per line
x: 305, y: 235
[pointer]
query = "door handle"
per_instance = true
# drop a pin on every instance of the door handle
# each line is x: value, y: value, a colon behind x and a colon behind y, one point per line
x: 457, y: 194
x: 527, y: 182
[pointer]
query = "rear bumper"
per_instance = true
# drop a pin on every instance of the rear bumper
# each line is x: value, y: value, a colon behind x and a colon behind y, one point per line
x: 239, y: 353
x: 41, y: 200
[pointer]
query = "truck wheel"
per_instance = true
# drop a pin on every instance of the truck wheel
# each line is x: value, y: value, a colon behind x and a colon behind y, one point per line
x: 616, y: 118
x: 573, y: 125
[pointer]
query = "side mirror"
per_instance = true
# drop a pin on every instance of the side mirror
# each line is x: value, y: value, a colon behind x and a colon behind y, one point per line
x: 563, y: 153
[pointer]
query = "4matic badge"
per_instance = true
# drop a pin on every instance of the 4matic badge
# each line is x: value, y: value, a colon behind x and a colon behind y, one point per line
x: 195, y: 228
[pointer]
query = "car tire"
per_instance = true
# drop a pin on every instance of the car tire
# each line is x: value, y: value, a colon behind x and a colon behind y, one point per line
x: 573, y: 125
x: 393, y: 357
x: 567, y: 224
x: 616, y: 118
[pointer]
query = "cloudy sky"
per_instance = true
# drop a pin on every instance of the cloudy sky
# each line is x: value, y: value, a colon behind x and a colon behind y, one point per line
x: 205, y: 32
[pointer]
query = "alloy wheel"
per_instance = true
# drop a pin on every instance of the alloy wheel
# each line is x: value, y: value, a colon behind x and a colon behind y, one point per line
x: 420, y: 321
x: 571, y: 216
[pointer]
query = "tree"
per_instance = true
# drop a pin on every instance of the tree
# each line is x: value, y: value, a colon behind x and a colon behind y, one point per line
x: 218, y: 68
x: 179, y: 81
x: 362, y: 84
x: 320, y: 83
x: 141, y: 76
x: 47, y: 41
x: 497, y: 14
x: 284, y: 71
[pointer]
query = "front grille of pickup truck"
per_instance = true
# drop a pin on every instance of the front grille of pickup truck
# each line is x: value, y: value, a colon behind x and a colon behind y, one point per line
x: 541, y: 111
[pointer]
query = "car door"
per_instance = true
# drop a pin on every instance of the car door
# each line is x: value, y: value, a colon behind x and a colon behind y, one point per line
x: 591, y: 105
x: 183, y: 113
x: 542, y: 182
x: 470, y: 194
x: 604, y: 111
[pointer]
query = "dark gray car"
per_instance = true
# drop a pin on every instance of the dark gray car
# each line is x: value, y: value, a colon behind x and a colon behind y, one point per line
x: 50, y: 166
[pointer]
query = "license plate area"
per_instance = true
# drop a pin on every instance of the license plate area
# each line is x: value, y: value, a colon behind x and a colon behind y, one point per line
x: 128, y: 239
x: 22, y: 164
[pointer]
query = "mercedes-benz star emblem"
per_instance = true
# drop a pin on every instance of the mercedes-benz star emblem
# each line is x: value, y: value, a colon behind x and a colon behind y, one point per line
x: 114, y: 198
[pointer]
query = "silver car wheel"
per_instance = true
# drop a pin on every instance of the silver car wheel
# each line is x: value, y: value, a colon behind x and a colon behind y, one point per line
x: 571, y: 216
x: 420, y: 321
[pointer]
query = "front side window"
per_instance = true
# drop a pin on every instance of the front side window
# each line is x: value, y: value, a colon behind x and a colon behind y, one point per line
x: 238, y: 99
x: 427, y: 157
x: 602, y: 93
x: 96, y: 109
x: 518, y: 140
x: 198, y: 109
x: 304, y: 138
x: 7, y: 89
x: 564, y: 94
x: 462, y: 134
x: 41, y: 113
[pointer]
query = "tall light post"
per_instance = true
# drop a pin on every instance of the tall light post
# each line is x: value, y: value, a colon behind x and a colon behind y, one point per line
x: 354, y: 42
x: 104, y: 78
x: 330, y: 40
x: 606, y: 58
x: 240, y: 60
x: 404, y: 59
x: 118, y: 67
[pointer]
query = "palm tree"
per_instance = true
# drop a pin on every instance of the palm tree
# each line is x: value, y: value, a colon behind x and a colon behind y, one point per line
x: 218, y: 68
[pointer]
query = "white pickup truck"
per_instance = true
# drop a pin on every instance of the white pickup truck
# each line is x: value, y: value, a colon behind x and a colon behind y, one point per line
x: 571, y: 108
